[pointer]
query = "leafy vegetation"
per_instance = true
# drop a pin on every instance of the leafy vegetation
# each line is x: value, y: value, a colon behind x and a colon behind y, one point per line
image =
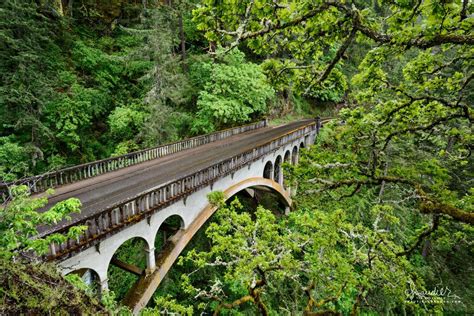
x: 385, y: 198
x: 235, y: 92
x: 306, y: 261
x: 40, y: 289
x: 20, y: 219
x: 28, y: 286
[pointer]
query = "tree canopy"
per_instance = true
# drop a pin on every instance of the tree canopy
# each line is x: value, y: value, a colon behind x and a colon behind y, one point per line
x: 385, y: 202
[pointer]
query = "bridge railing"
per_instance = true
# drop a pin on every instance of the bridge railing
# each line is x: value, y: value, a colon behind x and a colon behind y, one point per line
x: 133, y: 210
x: 73, y: 174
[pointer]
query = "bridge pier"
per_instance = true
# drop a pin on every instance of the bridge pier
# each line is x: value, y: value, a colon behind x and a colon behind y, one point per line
x: 150, y: 260
x: 104, y: 285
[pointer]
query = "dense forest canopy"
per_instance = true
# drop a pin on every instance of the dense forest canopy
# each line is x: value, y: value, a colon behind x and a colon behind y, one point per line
x: 385, y: 202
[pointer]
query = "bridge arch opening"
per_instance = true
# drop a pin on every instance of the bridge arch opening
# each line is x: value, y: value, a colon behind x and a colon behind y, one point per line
x: 278, y: 177
x: 127, y: 264
x: 268, y: 170
x: 90, y: 277
x: 302, y: 145
x: 294, y: 155
x: 168, y: 228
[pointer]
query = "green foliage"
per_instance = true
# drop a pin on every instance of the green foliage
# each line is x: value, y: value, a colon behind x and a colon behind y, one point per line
x: 132, y: 252
x: 29, y: 61
x: 200, y: 71
x: 235, y: 93
x: 164, y: 124
x: 14, y: 159
x: 125, y: 122
x: 216, y: 198
x: 397, y: 160
x: 334, y: 178
x: 269, y: 261
x: 168, y: 94
x: 109, y: 301
x: 283, y: 74
x: 32, y: 288
x: 59, y: 81
x: 385, y: 197
x: 167, y: 305
x: 20, y: 218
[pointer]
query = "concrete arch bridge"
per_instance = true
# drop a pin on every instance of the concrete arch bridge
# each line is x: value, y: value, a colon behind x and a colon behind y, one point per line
x: 133, y: 196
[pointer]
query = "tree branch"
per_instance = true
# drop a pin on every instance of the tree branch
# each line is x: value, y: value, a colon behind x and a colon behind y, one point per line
x: 422, y: 128
x: 423, y: 98
x: 255, y: 292
x: 420, y: 42
x: 240, y: 301
x: 277, y: 26
x: 463, y: 14
x: 434, y: 226
x: 355, y: 307
x: 356, y: 190
x: 312, y: 303
x: 431, y: 206
x: 340, y: 52
x: 428, y: 205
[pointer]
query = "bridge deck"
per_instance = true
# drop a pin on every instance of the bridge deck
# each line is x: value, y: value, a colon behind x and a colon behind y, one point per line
x: 105, y: 190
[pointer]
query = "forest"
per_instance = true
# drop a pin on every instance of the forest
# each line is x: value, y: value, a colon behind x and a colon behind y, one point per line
x: 383, y: 222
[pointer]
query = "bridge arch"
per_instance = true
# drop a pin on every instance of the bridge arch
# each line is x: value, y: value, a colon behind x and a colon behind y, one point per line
x: 287, y: 158
x: 89, y: 276
x: 132, y: 262
x: 268, y: 170
x: 166, y: 230
x: 302, y: 145
x: 179, y: 241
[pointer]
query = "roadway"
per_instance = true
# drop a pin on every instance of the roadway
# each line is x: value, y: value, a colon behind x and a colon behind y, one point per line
x: 105, y: 190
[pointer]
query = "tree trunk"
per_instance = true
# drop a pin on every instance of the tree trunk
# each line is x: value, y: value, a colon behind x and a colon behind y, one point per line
x: 70, y: 8
x: 58, y: 6
x: 67, y: 7
x: 182, y: 39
